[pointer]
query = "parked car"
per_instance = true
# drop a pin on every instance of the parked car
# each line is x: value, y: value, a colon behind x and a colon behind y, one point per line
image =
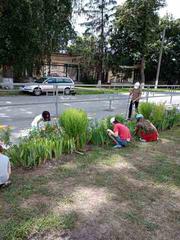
x: 48, y: 84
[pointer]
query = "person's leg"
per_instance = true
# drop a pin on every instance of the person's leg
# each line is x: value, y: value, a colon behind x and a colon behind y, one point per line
x: 120, y: 141
x: 136, y: 106
x: 130, y: 109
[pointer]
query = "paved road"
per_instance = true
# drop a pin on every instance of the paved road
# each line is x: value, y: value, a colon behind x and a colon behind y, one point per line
x: 20, y: 117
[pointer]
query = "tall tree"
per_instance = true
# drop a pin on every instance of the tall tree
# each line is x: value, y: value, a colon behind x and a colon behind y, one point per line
x: 31, y: 31
x: 86, y: 46
x: 170, y: 65
x: 99, y: 16
x: 134, y: 29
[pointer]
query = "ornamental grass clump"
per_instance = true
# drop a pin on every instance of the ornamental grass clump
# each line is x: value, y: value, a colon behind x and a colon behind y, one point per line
x: 74, y: 123
x: 158, y: 115
x: 99, y: 132
x: 5, y: 134
x: 161, y: 117
x: 146, y: 109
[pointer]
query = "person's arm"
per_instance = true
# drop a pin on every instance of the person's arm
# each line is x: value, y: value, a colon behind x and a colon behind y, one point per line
x: 111, y: 133
x: 137, y: 128
x: 130, y: 92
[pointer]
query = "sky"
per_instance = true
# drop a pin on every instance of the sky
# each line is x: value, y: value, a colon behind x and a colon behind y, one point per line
x: 173, y: 7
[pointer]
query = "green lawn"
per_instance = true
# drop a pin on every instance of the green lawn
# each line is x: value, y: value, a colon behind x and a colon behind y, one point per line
x: 130, y: 193
x: 88, y: 91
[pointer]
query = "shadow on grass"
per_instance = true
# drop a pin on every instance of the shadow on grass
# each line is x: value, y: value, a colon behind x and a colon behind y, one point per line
x: 103, y: 195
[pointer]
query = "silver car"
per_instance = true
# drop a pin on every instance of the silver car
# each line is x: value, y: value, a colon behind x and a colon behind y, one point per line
x: 50, y: 84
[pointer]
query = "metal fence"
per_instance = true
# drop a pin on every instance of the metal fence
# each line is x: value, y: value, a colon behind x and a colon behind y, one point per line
x: 147, y: 95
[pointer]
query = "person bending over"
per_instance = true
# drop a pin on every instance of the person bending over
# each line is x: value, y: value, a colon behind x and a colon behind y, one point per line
x: 121, y: 134
x: 41, y: 120
x: 145, y: 129
x: 5, y: 169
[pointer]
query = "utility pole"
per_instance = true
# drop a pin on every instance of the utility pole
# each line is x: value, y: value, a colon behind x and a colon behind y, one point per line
x: 160, y: 58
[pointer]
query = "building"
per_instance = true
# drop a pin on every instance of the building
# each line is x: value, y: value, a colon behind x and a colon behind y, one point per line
x: 63, y: 65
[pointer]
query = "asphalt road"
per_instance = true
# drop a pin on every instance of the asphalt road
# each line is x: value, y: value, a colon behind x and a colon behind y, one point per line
x: 20, y: 117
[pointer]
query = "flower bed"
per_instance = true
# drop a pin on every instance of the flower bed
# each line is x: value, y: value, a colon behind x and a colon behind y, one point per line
x: 74, y: 131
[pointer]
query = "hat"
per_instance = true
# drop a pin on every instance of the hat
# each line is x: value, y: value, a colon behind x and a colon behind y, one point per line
x: 138, y: 116
x: 112, y: 120
x: 137, y: 85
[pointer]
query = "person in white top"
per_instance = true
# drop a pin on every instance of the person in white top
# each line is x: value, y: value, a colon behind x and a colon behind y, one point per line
x: 5, y: 169
x: 41, y: 120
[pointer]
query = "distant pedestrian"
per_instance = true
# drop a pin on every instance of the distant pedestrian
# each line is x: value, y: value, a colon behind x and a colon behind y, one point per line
x: 120, y: 135
x: 41, y: 120
x: 145, y: 129
x: 135, y: 95
x: 5, y: 169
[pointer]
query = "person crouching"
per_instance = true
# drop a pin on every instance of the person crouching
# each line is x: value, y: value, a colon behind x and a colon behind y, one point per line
x: 120, y: 135
x: 145, y: 129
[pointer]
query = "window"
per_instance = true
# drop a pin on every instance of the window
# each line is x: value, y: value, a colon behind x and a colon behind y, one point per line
x: 51, y: 80
x: 67, y: 80
x: 41, y: 80
x: 59, y: 80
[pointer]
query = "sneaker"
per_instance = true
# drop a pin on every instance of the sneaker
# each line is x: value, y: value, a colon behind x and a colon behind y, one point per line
x: 117, y: 146
x: 142, y: 140
x: 6, y: 184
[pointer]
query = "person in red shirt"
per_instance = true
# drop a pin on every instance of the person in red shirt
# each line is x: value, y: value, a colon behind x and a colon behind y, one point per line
x: 145, y: 129
x: 121, y: 134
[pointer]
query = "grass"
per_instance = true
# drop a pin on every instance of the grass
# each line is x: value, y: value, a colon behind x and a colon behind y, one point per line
x: 93, y: 90
x: 88, y: 91
x: 105, y: 193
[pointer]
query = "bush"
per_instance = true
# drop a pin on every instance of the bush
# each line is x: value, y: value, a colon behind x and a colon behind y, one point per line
x: 75, y: 123
x: 5, y: 133
x: 146, y: 109
x: 158, y: 116
x: 161, y: 117
x: 99, y: 134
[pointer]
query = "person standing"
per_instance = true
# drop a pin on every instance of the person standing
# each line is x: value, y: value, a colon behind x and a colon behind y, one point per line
x: 145, y: 129
x: 120, y: 135
x: 135, y: 95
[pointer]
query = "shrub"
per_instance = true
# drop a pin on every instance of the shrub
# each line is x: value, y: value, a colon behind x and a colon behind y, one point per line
x: 158, y: 115
x: 146, y: 109
x: 99, y: 134
x: 121, y: 119
x: 30, y: 153
x: 75, y: 123
x: 5, y: 133
x: 171, y: 118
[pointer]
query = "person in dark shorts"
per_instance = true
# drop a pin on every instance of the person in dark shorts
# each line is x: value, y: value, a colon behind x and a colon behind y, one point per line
x: 135, y: 95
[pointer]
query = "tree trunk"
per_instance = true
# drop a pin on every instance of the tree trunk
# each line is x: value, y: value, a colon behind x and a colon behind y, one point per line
x: 142, y: 69
x: 7, y: 71
x: 7, y: 74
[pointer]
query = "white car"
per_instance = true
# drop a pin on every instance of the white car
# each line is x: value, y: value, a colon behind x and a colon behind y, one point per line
x: 49, y: 84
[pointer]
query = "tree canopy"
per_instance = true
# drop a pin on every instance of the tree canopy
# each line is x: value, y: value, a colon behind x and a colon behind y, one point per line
x: 31, y: 30
x: 134, y: 29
